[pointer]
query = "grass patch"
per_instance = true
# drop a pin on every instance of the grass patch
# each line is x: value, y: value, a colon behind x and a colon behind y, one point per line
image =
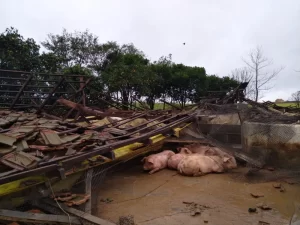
x: 287, y: 104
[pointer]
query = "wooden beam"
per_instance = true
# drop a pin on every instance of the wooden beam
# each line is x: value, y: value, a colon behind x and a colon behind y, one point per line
x: 170, y: 104
x: 50, y: 94
x: 21, y: 91
x: 36, y: 218
x: 71, y: 110
x: 83, y: 216
x: 88, y: 190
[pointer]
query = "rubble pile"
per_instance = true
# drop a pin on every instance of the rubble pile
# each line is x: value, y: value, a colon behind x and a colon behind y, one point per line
x: 28, y: 140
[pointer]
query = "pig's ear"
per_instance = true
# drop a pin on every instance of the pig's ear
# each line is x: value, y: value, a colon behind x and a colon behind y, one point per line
x: 226, y: 159
x: 143, y: 160
x: 185, y: 151
x: 150, y: 160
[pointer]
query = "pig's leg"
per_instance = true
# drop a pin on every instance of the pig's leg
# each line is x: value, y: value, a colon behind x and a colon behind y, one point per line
x: 154, y: 170
x: 198, y: 174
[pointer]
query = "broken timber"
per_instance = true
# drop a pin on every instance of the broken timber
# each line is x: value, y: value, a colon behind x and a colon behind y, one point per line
x: 82, y: 109
x: 84, y: 217
x: 36, y: 218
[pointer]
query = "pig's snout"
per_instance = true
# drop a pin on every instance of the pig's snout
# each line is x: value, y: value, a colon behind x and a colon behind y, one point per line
x: 148, y: 166
x: 229, y: 163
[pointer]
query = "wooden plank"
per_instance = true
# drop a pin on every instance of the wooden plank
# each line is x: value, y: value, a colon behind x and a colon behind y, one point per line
x: 83, y: 216
x: 88, y: 190
x: 36, y: 218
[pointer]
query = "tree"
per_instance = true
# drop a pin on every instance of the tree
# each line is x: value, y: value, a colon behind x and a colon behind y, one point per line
x: 126, y: 73
x: 18, y: 53
x: 158, y: 80
x: 257, y: 64
x: 77, y: 48
x: 50, y: 63
x: 296, y: 98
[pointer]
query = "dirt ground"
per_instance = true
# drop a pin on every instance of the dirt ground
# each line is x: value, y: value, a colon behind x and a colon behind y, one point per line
x: 222, y: 199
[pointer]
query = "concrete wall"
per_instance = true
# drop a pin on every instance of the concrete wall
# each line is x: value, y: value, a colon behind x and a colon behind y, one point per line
x: 229, y: 134
x: 277, y: 144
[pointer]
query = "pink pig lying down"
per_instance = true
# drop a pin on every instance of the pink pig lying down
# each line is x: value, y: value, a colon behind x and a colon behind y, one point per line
x: 198, y: 165
x: 174, y: 160
x: 157, y: 161
x: 209, y: 151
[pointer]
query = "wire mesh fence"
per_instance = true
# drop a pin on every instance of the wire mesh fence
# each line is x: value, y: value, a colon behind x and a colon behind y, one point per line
x: 262, y: 132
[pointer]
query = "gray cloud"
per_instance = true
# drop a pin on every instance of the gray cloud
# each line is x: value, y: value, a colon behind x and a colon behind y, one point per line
x: 217, y: 33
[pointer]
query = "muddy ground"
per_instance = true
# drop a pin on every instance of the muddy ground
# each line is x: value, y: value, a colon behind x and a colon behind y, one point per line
x: 222, y: 199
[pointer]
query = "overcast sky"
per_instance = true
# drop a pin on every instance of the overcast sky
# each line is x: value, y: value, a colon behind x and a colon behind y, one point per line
x: 217, y: 33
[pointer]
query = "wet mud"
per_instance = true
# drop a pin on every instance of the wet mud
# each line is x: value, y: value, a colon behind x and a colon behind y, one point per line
x: 220, y: 199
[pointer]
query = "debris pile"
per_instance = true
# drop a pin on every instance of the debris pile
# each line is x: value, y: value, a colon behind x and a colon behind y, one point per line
x: 126, y: 220
x: 29, y: 140
x: 195, y: 208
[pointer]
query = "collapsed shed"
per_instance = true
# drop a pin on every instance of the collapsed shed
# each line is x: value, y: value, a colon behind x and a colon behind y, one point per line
x: 60, y: 141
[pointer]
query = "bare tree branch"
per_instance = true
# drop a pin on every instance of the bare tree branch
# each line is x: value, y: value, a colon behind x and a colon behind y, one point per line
x: 296, y: 98
x: 257, y: 64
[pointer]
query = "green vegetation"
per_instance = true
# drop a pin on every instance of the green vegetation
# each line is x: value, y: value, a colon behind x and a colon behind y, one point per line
x: 120, y: 71
x: 287, y: 104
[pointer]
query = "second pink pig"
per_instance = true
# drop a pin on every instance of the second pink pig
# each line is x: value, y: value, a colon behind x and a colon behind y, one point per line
x: 157, y: 161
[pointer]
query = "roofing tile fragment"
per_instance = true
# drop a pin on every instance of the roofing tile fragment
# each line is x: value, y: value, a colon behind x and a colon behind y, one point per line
x: 22, y: 145
x: 7, y: 140
x: 31, y: 136
x: 21, y: 132
x: 4, y: 122
x: 116, y: 131
x: 69, y: 138
x: 12, y: 118
x: 19, y: 160
x: 133, y: 123
x: 51, y: 137
x: 99, y: 123
x: 48, y: 126
x: 7, y: 149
